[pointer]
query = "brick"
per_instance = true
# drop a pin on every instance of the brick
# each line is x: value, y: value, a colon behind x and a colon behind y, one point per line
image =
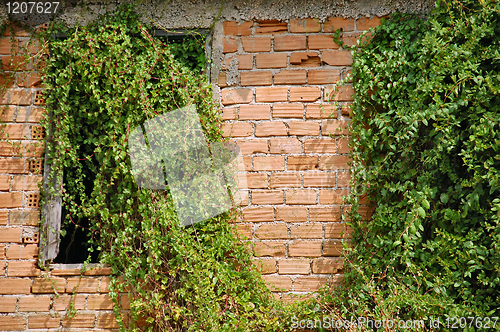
x: 320, y: 42
x: 14, y: 131
x: 272, y: 231
x: 271, y: 60
x: 222, y: 82
x: 79, y: 320
x: 107, y: 321
x: 258, y: 214
x: 255, y: 112
x: 271, y: 249
x: 241, y: 198
x: 3, y: 218
x: 335, y: 127
x: 2, y: 251
x: 251, y: 146
x: 5, y: 182
x: 343, y: 146
x: 346, y: 110
x: 300, y: 163
x: 291, y: 213
x: 343, y: 179
x: 307, y: 231
x: 336, y: 58
x: 256, y: 180
x: 286, y: 110
x: 320, y: 111
x: 256, y: 78
x: 366, y: 23
x: 99, y: 302
x: 290, y: 77
x: 300, y: 196
x: 305, y: 59
x: 7, y: 80
x: 272, y: 128
x: 330, y: 213
x: 334, y: 23
x: 43, y: 322
x: 7, y: 46
x: 267, y: 197
x: 13, y: 63
x: 278, y: 283
x: 301, y: 128
x: 333, y: 248
x: 285, y: 180
x: 337, y: 231
x: 236, y: 96
x: 244, y: 164
x: 271, y: 27
x: 8, y: 304
x: 14, y: 286
x: 11, y: 234
x: 265, y: 266
x: 327, y: 265
x: 320, y: 145
x: 12, y: 323
x: 352, y: 38
x: 125, y: 302
x: 34, y: 303
x: 30, y: 80
x: 230, y: 113
x: 245, y: 61
x: 344, y: 93
x: 7, y: 149
x: 276, y: 163
x: 294, y: 266
x: 16, y: 97
x: 327, y: 76
x: 82, y: 285
x: 26, y: 183
x: 271, y: 94
x: 31, y: 114
x: 256, y: 44
x: 309, y: 284
x: 237, y: 29
x: 307, y: 93
x: 237, y: 129
x: 304, y: 25
x: 289, y: 43
x: 332, y: 196
x: 104, y: 286
x: 334, y: 162
x: 244, y: 230
x: 294, y: 298
x: 65, y: 302
x: 49, y: 285
x: 229, y: 45
x: 305, y: 249
x: 7, y: 113
x: 23, y: 269
x: 3, y: 268
x: 285, y: 145
x: 26, y: 218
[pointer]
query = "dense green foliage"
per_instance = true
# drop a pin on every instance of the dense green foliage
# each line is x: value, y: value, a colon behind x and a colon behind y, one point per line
x: 102, y: 81
x: 426, y: 150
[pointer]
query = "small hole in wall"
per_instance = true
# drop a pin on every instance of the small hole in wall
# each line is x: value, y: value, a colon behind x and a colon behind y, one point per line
x: 39, y: 100
x: 36, y: 166
x: 37, y: 132
x: 31, y: 239
x: 33, y: 200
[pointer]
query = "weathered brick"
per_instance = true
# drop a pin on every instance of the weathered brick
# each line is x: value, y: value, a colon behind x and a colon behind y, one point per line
x: 12, y: 323
x: 294, y: 266
x: 352, y: 38
x: 230, y: 113
x: 366, y: 23
x: 343, y: 145
x: 336, y: 58
x: 271, y: 60
x: 13, y: 166
x: 14, y: 286
x: 107, y: 321
x: 332, y: 248
x: 99, y: 302
x: 290, y: 77
x: 43, y: 322
x: 271, y: 27
x: 11, y: 200
x: 275, y: 163
x: 334, y: 23
x: 305, y: 249
x: 309, y: 284
x: 272, y: 128
x: 327, y: 265
x: 17, y: 97
x: 8, y: 46
x: 291, y: 213
x: 323, y: 213
x: 3, y: 218
x: 104, y: 286
x: 334, y: 162
x: 245, y: 61
x: 343, y: 179
x: 8, y: 304
x: 270, y: 249
x: 300, y: 196
x: 307, y: 231
x: 237, y: 129
x: 321, y: 42
x: 286, y: 110
x: 265, y: 266
x: 285, y: 145
x: 300, y: 163
x: 320, y: 145
x: 258, y: 214
x: 30, y: 114
x: 256, y: 44
x: 244, y: 230
x: 285, y: 180
x: 244, y: 163
x: 79, y: 320
x: 255, y: 112
x: 241, y: 198
x: 256, y: 78
x: 66, y: 302
x: 307, y: 93
x: 229, y: 45
x: 344, y: 93
x: 278, y: 283
x: 48, y: 285
x: 304, y: 25
x: 267, y: 197
x: 320, y: 111
x: 26, y: 183
x: 271, y: 94
x: 34, y: 303
x: 272, y: 231
x: 332, y: 196
x: 335, y: 127
x: 26, y: 218
x: 236, y: 96
x: 251, y: 146
x: 305, y: 59
x: 337, y: 231
x: 7, y: 113
x: 23, y: 269
x: 254, y: 180
x: 222, y: 81
x: 82, y: 285
x: 326, y: 76
x: 14, y: 132
x: 237, y: 29
x: 11, y: 234
x: 301, y: 128
x: 289, y: 43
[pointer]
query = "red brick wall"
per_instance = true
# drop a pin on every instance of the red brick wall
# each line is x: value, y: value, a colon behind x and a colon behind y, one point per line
x: 274, y: 85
